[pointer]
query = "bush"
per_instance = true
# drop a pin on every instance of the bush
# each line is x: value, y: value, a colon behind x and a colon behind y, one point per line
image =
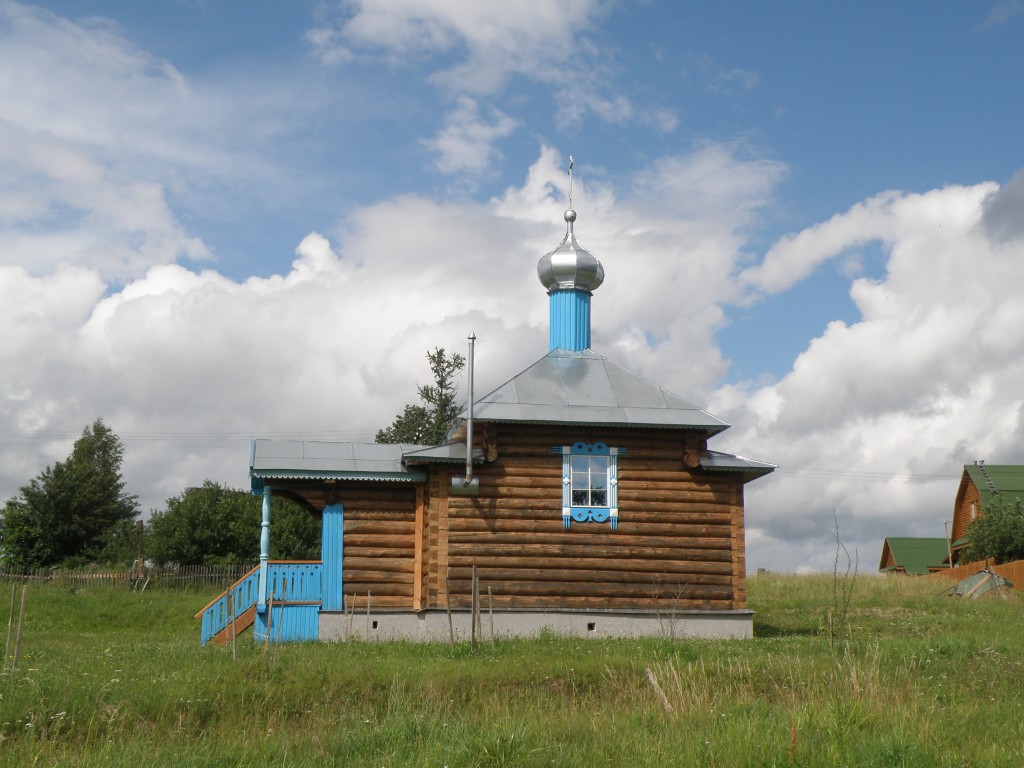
x: 998, y: 532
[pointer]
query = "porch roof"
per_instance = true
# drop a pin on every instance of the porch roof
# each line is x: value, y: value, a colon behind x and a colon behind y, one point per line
x: 326, y: 460
x: 716, y: 461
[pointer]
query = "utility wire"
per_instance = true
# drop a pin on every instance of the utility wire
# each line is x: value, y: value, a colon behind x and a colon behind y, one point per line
x: 184, y: 439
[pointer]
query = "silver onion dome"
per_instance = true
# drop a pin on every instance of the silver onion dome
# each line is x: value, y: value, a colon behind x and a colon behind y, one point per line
x: 570, y: 266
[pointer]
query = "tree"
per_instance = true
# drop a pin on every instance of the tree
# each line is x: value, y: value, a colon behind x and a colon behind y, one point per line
x: 74, y: 511
x: 214, y: 525
x: 427, y: 424
x: 998, y: 532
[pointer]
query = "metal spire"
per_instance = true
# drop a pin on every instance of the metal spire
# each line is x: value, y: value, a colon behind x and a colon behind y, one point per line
x: 570, y: 181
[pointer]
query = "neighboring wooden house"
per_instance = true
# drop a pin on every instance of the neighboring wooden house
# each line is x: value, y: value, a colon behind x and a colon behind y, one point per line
x: 913, y: 555
x: 595, y: 507
x: 979, y: 484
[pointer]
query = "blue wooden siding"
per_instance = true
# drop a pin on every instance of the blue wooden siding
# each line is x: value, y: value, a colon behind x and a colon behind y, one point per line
x: 332, y: 554
x: 244, y: 593
x: 570, y: 320
x: 288, y: 623
x: 291, y: 582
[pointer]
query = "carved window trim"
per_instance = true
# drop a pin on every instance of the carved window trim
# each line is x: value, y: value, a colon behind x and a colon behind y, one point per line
x: 588, y: 484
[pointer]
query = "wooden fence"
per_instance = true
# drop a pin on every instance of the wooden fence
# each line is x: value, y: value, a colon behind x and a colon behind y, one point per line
x: 1013, y: 571
x: 167, y: 577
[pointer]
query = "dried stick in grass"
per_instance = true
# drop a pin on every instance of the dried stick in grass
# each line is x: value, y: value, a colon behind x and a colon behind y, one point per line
x: 657, y: 690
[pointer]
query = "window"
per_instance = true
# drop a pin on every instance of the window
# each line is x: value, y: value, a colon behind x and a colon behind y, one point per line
x: 589, y: 483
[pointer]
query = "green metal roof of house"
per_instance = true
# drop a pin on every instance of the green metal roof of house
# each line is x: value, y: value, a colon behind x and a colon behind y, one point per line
x: 914, y: 554
x: 1005, y: 479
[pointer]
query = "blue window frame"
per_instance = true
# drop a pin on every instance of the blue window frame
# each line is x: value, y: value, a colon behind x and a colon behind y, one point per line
x: 590, y: 483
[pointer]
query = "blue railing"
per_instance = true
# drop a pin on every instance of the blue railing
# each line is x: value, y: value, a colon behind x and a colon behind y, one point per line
x: 288, y: 583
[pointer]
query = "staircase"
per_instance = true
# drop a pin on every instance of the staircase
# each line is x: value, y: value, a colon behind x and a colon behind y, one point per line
x: 293, y: 597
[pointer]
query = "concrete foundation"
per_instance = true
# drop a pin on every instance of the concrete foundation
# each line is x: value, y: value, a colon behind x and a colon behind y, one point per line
x: 432, y: 626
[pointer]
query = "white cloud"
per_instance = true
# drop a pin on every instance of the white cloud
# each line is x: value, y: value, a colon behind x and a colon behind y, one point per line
x: 103, y: 146
x: 466, y: 143
x: 186, y: 364
x: 83, y: 85
x: 1002, y: 13
x: 498, y: 39
x: 877, y: 417
x: 1003, y: 211
x: 727, y: 80
x: 99, y: 316
x: 479, y: 47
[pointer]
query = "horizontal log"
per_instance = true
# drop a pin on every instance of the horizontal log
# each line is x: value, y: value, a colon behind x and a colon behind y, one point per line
x: 675, y: 482
x: 647, y: 513
x: 610, y: 562
x: 589, y: 529
x: 391, y: 545
x: 383, y: 563
x: 488, y: 482
x: 546, y: 464
x: 667, y: 608
x: 359, y: 526
x: 361, y: 576
x: 628, y: 492
x: 675, y: 507
x: 669, y: 462
x: 540, y: 507
x: 382, y: 507
x: 674, y: 467
x: 377, y: 588
x: 358, y: 602
x: 550, y: 467
x: 389, y: 513
x: 597, y: 589
x: 568, y: 538
x: 553, y: 490
x: 567, y: 579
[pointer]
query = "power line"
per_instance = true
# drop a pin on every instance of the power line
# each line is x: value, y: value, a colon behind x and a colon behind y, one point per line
x: 155, y: 439
x: 178, y: 439
x: 909, y: 477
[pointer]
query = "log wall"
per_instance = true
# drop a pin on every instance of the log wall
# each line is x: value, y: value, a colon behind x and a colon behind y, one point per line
x: 380, y: 537
x: 967, y: 495
x: 679, y: 543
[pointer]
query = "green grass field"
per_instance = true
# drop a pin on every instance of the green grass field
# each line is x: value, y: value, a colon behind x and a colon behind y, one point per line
x: 110, y: 678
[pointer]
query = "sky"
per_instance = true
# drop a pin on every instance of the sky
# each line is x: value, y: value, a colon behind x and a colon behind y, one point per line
x: 224, y: 220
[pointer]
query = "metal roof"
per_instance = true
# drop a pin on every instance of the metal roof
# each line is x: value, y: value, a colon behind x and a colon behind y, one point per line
x: 914, y: 554
x: 716, y: 461
x: 451, y: 452
x: 584, y: 387
x: 1003, y: 479
x: 322, y: 460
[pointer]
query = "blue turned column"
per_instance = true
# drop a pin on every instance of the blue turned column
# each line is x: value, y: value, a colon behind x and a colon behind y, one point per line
x: 261, y: 602
x: 570, y: 320
x: 570, y: 273
x: 332, y: 556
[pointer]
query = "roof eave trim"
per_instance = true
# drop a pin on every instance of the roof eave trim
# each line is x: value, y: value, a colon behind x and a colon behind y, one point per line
x: 285, y: 474
x: 418, y: 460
x: 751, y: 473
x: 709, y: 429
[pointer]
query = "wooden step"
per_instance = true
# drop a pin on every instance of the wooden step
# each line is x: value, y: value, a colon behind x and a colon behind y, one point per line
x: 242, y: 622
